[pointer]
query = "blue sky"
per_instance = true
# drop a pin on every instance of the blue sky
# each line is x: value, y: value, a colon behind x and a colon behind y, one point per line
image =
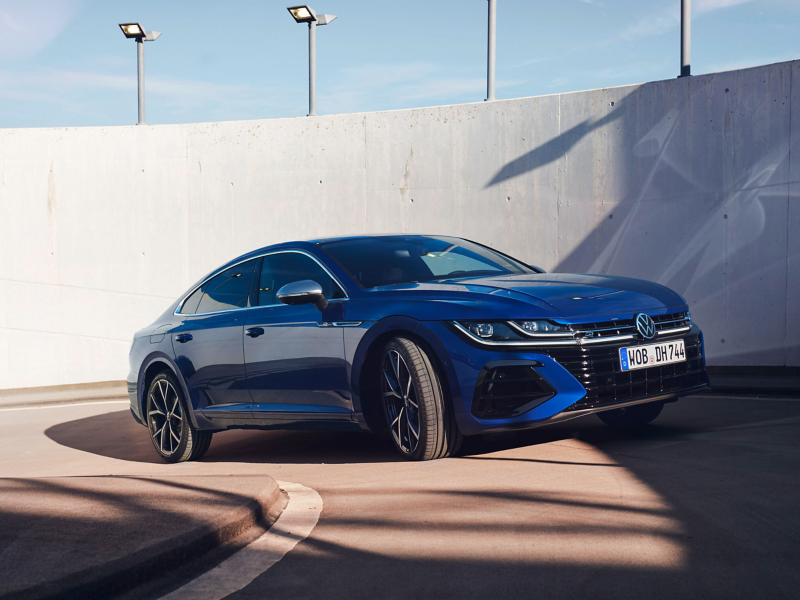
x: 66, y: 63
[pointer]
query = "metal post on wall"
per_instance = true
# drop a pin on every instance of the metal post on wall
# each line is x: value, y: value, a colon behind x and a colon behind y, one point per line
x: 305, y: 14
x: 312, y: 68
x: 686, y: 38
x: 492, y: 51
x: 136, y: 32
x: 140, y: 70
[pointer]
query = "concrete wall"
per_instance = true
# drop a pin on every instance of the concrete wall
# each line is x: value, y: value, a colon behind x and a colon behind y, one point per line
x: 688, y: 182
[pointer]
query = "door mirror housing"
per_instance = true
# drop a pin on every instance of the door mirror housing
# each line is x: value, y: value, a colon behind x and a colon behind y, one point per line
x: 537, y: 269
x: 303, y: 292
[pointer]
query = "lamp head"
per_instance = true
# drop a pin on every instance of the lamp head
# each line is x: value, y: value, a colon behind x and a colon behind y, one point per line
x: 302, y: 13
x: 132, y: 30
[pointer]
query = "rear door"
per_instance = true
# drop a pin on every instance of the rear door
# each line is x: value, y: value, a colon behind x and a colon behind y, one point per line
x: 208, y: 344
x: 296, y: 369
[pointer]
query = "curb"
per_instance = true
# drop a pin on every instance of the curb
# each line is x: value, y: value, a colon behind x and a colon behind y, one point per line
x: 125, y: 573
x: 64, y: 402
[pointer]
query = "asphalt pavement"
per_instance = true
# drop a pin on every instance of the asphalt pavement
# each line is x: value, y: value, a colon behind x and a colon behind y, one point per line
x: 702, y: 503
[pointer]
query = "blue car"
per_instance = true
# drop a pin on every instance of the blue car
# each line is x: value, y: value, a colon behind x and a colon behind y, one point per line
x: 429, y: 338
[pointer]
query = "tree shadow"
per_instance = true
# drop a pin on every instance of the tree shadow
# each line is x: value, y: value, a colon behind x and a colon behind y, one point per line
x: 93, y: 537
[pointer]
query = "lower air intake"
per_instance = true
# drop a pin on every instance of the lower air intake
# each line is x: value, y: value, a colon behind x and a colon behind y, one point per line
x: 509, y: 388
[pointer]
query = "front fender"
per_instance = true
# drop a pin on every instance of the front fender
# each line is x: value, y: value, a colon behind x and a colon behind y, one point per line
x: 400, y: 325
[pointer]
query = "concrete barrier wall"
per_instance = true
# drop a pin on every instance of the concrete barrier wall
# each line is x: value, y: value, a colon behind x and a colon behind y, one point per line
x: 689, y: 182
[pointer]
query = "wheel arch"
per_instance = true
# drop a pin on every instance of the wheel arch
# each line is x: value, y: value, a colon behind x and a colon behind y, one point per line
x: 366, y: 396
x: 156, y: 363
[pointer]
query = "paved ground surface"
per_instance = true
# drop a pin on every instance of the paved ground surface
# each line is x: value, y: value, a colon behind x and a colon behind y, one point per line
x: 703, y: 503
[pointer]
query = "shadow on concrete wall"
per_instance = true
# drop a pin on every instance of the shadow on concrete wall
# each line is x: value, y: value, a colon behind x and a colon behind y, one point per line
x: 553, y: 150
x: 702, y: 205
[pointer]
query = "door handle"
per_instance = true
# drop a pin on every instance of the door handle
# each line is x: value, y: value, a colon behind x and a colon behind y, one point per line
x: 254, y: 332
x: 182, y: 338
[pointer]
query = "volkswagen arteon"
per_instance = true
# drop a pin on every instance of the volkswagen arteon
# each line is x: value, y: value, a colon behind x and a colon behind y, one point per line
x: 427, y: 338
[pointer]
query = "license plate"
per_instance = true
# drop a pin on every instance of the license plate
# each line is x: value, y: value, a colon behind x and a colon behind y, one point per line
x: 641, y: 357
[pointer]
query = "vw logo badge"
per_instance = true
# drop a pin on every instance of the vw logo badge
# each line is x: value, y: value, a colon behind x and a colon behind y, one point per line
x: 646, y: 326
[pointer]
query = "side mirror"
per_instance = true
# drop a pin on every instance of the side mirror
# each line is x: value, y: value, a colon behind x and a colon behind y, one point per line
x: 303, y: 292
x: 537, y: 269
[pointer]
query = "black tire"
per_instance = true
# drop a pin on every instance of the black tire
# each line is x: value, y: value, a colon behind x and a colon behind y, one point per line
x: 171, y: 430
x: 418, y: 415
x: 631, y: 416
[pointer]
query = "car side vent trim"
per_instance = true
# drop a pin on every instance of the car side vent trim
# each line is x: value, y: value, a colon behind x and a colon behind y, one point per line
x: 509, y: 388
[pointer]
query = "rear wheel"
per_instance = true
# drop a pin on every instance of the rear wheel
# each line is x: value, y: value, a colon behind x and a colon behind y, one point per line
x: 171, y: 431
x: 419, y: 418
x: 631, y: 416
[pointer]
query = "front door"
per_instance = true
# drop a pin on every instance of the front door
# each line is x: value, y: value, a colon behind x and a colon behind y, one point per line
x: 295, y: 361
x: 208, y: 344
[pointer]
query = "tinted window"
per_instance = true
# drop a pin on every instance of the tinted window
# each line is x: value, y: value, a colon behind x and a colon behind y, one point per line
x: 288, y: 267
x: 227, y: 290
x: 389, y: 260
x: 190, y: 305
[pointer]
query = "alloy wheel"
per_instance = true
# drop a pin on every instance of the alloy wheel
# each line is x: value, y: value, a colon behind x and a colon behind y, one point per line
x: 165, y: 418
x: 400, y: 402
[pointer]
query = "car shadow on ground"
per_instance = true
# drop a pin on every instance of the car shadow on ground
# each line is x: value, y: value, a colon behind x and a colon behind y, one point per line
x: 117, y: 435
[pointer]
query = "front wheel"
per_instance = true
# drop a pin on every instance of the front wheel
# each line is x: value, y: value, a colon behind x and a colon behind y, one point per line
x: 171, y: 431
x: 417, y: 412
x: 631, y: 416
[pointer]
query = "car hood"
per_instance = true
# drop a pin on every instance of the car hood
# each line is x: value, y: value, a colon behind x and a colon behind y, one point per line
x: 556, y: 295
x: 584, y: 294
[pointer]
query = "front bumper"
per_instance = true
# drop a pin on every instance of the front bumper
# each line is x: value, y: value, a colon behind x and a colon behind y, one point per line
x: 586, y: 380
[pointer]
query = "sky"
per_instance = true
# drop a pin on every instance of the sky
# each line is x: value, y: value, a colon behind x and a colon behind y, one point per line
x: 65, y: 63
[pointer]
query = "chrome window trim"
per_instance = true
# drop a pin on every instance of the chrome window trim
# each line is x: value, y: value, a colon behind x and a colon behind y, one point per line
x: 222, y: 270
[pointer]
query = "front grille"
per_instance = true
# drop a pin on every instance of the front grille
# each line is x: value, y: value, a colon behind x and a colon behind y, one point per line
x: 598, y: 369
x: 628, y: 326
x: 508, y: 389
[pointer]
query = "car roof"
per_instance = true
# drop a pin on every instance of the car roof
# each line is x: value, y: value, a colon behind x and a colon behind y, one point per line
x: 373, y: 235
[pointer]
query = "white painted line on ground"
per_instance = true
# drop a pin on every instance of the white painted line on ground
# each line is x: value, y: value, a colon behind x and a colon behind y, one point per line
x: 295, y: 523
x: 65, y: 405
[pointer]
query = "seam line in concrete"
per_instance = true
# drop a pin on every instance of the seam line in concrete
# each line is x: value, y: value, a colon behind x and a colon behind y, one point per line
x: 91, y: 337
x: 788, y: 221
x: 89, y: 289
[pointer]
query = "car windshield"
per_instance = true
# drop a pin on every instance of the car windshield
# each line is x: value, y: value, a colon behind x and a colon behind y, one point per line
x: 390, y: 260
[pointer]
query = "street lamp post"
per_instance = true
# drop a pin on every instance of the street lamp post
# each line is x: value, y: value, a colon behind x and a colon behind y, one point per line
x: 686, y: 38
x: 306, y: 14
x: 492, y: 51
x: 137, y: 32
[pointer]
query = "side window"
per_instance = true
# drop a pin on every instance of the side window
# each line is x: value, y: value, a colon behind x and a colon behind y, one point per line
x: 190, y: 304
x: 227, y: 290
x: 288, y: 267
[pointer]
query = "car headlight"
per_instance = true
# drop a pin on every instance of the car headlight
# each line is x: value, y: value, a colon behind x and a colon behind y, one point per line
x: 543, y: 327
x: 515, y: 331
x: 493, y: 331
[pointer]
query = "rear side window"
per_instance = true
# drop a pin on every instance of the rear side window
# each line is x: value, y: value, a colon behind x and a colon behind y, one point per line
x: 190, y: 304
x: 225, y: 291
x: 287, y: 267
